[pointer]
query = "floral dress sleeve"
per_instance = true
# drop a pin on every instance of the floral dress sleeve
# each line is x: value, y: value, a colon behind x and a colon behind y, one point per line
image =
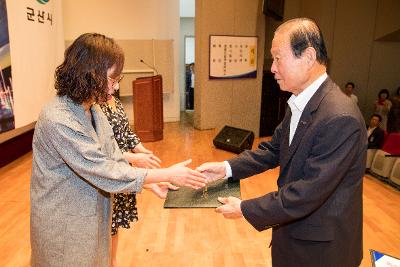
x: 131, y: 138
x: 125, y: 137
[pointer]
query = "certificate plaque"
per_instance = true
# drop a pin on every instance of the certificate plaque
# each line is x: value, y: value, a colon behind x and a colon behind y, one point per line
x: 190, y: 198
x: 233, y: 57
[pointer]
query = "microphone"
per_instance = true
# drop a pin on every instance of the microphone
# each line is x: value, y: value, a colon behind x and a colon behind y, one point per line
x: 150, y: 66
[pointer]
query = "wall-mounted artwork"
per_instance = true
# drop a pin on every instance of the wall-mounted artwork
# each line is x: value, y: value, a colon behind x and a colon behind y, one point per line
x: 233, y: 57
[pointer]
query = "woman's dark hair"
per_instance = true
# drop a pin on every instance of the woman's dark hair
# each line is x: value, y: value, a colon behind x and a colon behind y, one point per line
x: 398, y: 91
x: 384, y: 91
x: 306, y: 33
x: 83, y: 74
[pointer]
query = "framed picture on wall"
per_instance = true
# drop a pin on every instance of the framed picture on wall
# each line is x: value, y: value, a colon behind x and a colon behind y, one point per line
x: 233, y: 57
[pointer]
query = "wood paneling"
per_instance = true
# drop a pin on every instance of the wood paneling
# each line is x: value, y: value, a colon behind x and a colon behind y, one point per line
x: 15, y: 147
x: 148, y: 104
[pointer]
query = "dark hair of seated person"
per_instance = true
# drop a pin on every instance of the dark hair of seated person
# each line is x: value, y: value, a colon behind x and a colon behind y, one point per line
x: 378, y: 116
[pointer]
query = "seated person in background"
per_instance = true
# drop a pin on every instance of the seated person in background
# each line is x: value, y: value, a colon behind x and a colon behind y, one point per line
x: 394, y: 114
x: 375, y: 134
x: 383, y: 106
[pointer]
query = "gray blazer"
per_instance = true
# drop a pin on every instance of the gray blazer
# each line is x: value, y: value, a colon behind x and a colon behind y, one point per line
x: 75, y: 168
x: 316, y: 214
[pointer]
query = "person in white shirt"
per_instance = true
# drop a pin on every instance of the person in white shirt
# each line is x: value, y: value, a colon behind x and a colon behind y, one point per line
x: 349, y: 89
x: 320, y: 147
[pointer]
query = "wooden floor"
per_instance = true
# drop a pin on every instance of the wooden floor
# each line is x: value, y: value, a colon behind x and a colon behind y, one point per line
x: 189, y: 237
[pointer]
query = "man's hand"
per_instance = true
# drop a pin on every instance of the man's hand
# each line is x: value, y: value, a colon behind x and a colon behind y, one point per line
x: 181, y: 175
x: 231, y: 208
x: 212, y: 170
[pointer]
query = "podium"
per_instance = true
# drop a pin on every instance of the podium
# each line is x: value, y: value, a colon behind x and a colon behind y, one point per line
x: 148, y: 108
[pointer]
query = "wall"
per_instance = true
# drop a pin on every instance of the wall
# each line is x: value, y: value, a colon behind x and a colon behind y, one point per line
x: 292, y: 10
x: 186, y: 29
x: 387, y: 17
x: 234, y: 102
x: 356, y: 56
x: 350, y: 31
x: 350, y: 28
x: 351, y: 54
x: 385, y: 56
x: 129, y: 20
x: 383, y: 72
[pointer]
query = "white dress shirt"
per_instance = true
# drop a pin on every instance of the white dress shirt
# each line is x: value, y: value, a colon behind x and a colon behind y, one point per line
x: 370, y: 130
x: 354, y: 98
x: 297, y: 105
x: 299, y: 102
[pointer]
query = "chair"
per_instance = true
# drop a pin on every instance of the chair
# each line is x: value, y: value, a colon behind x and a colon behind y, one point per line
x: 384, y: 158
x: 371, y: 152
x: 370, y: 156
x: 395, y: 174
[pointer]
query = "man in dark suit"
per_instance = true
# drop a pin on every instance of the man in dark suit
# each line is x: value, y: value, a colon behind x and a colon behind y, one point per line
x: 320, y: 146
x: 375, y: 134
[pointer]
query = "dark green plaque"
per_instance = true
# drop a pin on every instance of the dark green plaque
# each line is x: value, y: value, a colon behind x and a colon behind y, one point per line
x: 189, y: 198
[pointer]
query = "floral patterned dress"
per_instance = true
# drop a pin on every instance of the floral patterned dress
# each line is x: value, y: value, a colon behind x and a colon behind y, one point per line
x: 124, y: 204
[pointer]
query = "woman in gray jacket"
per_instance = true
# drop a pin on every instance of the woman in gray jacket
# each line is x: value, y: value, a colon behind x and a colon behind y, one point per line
x: 77, y: 163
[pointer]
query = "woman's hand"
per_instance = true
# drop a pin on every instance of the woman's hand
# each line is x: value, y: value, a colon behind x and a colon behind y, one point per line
x: 139, y: 148
x: 160, y: 189
x: 143, y: 160
x: 181, y: 175
x: 177, y: 174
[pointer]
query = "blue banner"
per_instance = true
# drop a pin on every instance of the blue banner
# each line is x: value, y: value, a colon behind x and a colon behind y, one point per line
x: 6, y: 92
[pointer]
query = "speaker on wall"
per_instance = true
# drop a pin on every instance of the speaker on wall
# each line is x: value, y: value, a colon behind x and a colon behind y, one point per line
x: 234, y: 139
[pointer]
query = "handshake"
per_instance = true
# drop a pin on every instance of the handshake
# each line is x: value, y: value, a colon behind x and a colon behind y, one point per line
x: 208, y: 172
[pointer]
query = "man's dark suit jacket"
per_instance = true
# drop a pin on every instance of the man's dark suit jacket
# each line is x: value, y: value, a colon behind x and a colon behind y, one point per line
x: 375, y: 140
x: 316, y: 214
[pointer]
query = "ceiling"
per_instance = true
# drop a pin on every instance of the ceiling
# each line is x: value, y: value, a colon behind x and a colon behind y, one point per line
x: 390, y: 37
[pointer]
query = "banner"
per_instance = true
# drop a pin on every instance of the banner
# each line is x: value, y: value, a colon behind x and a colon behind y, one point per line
x: 6, y: 94
x: 36, y: 45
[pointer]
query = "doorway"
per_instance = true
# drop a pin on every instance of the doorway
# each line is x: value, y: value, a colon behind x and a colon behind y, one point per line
x: 189, y: 72
x: 187, y: 59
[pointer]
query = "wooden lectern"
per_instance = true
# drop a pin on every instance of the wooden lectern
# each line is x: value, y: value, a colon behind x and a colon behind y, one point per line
x: 148, y: 108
